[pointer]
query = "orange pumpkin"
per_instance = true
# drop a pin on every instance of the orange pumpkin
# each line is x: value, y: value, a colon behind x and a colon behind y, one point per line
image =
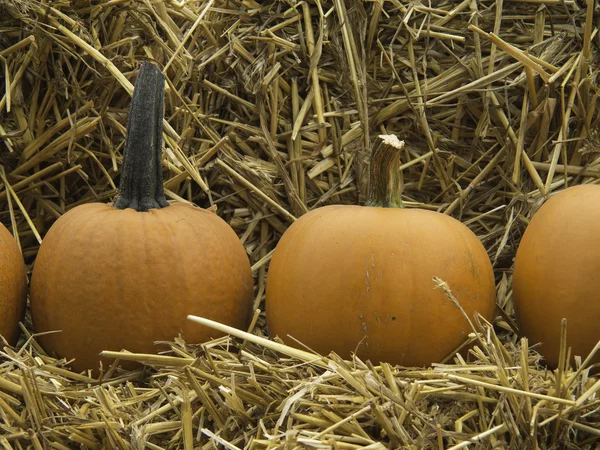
x: 13, y: 287
x: 124, y: 276
x: 359, y: 278
x: 556, y: 274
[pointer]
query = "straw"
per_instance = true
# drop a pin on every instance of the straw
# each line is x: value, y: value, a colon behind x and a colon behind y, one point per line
x: 271, y: 110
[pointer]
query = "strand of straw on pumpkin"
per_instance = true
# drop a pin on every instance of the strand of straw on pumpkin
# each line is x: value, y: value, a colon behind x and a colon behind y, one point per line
x: 177, y: 361
x: 275, y: 346
x: 159, y: 360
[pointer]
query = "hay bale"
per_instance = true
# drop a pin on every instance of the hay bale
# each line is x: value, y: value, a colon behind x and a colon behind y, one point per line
x: 270, y: 111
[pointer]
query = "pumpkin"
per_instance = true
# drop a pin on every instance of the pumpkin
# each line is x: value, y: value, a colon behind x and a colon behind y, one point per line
x: 13, y: 287
x: 350, y: 278
x: 123, y: 276
x: 556, y: 274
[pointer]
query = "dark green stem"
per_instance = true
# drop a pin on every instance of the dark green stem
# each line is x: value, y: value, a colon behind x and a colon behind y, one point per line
x: 141, y: 185
x: 385, y: 188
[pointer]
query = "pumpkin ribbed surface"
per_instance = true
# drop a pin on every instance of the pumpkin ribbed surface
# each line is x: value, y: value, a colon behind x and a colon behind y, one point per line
x: 118, y: 279
x: 13, y: 287
x: 346, y: 278
x: 556, y: 274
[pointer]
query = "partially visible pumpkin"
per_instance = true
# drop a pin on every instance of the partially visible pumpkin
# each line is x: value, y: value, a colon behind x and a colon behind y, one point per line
x: 556, y: 274
x: 359, y: 278
x: 13, y: 287
x: 124, y: 276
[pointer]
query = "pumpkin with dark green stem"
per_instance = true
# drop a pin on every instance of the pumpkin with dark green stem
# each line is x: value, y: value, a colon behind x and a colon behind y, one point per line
x: 13, y: 287
x: 122, y: 276
x: 348, y: 278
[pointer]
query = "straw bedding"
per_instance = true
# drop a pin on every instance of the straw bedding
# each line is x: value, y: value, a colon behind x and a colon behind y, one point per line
x: 271, y: 109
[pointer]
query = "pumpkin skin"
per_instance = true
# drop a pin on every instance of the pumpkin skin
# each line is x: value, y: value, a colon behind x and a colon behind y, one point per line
x: 556, y: 274
x: 13, y: 287
x: 118, y: 279
x: 123, y: 276
x: 359, y: 279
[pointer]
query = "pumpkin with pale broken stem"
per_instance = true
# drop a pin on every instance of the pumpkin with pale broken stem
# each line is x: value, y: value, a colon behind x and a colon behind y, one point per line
x: 349, y: 278
x: 123, y: 276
